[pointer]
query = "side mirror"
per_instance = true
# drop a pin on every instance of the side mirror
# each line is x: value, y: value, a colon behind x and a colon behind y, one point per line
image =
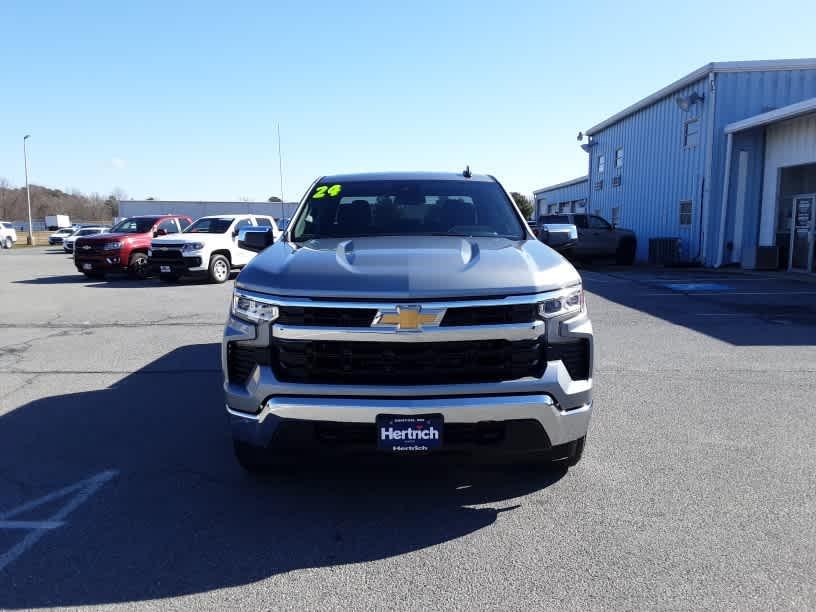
x: 255, y: 238
x: 160, y: 232
x: 558, y: 235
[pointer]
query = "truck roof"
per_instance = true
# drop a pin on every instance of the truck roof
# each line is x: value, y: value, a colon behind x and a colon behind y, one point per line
x: 406, y: 176
x: 235, y: 216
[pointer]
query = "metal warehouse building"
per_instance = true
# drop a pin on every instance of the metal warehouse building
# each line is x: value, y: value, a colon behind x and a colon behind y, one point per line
x: 570, y: 196
x: 130, y: 208
x: 722, y: 160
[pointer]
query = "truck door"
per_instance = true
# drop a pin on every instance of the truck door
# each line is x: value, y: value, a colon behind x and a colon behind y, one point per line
x: 586, y: 244
x: 603, y: 236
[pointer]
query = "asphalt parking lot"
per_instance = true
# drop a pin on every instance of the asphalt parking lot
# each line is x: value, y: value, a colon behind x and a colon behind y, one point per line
x: 118, y: 485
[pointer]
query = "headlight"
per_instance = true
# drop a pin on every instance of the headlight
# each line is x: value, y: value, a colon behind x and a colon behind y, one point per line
x: 570, y: 302
x: 193, y: 246
x: 111, y: 246
x: 255, y: 311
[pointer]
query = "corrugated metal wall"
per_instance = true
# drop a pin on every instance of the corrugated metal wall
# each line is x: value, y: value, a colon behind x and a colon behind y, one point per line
x: 569, y: 193
x: 740, y: 95
x: 130, y: 208
x: 790, y: 143
x: 742, y: 219
x: 658, y: 172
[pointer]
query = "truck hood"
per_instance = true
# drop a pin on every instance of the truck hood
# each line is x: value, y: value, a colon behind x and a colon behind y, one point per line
x: 185, y: 238
x: 110, y: 237
x: 407, y: 267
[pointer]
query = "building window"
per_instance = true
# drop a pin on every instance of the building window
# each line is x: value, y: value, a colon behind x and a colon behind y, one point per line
x: 616, y: 215
x: 601, y: 164
x: 616, y: 181
x: 580, y: 206
x: 619, y: 157
x: 685, y: 212
x: 691, y: 133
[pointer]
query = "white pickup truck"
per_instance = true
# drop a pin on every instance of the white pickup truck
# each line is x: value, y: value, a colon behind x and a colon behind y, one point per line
x: 7, y: 235
x: 208, y: 247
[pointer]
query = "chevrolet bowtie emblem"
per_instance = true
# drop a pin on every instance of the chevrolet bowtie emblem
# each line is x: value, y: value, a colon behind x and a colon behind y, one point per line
x: 408, y: 318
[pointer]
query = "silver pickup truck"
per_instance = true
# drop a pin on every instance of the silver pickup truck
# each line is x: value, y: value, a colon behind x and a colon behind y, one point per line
x: 406, y: 313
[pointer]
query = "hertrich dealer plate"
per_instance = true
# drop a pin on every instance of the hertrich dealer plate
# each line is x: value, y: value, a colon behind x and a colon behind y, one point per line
x: 409, y: 434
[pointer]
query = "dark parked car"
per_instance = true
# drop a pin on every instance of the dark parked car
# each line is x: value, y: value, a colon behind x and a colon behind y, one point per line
x: 597, y: 237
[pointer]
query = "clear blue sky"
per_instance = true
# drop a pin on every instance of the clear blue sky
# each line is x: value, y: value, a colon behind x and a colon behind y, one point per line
x: 180, y: 100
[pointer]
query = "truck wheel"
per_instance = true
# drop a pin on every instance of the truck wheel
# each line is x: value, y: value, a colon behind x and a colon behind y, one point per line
x: 219, y: 269
x: 169, y: 278
x: 9, y: 242
x: 625, y: 255
x: 138, y: 266
x: 250, y: 457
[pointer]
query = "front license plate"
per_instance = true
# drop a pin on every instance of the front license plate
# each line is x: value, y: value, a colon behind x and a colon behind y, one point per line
x: 86, y: 266
x: 164, y: 268
x: 398, y: 433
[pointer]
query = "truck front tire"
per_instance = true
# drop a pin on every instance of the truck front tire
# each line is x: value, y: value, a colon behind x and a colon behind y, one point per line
x: 138, y: 266
x: 250, y: 458
x: 569, y: 454
x: 625, y: 255
x: 219, y: 269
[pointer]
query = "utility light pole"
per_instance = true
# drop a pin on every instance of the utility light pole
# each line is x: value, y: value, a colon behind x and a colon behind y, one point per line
x: 280, y: 170
x: 28, y: 191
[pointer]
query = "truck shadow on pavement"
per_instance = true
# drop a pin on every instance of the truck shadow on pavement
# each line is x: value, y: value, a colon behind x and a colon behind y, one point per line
x: 743, y: 310
x: 180, y: 517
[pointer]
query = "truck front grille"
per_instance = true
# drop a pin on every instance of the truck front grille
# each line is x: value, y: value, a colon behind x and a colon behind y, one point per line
x: 575, y: 356
x: 489, y: 315
x: 170, y: 255
x: 364, y: 317
x: 406, y: 363
x: 326, y: 317
x: 241, y: 360
x: 83, y: 247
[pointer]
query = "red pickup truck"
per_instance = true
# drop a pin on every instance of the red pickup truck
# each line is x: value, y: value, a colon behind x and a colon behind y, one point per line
x: 124, y: 248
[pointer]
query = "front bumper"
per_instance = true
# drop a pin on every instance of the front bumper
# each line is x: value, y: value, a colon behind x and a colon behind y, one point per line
x: 529, y: 423
x: 188, y: 266
x: 99, y: 263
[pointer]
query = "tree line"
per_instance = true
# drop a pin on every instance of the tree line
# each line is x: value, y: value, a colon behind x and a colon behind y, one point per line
x: 46, y: 201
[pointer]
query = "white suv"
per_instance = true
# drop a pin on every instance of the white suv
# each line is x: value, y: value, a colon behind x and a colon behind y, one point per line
x: 208, y: 247
x: 7, y: 235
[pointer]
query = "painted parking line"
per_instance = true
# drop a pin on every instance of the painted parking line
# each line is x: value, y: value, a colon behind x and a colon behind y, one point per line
x: 79, y: 493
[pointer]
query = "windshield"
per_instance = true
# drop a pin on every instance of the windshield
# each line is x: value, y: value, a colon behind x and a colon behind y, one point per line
x: 407, y: 208
x: 209, y: 226
x: 134, y: 225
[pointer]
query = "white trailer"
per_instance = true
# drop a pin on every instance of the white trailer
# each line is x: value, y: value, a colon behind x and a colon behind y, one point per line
x: 55, y: 222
